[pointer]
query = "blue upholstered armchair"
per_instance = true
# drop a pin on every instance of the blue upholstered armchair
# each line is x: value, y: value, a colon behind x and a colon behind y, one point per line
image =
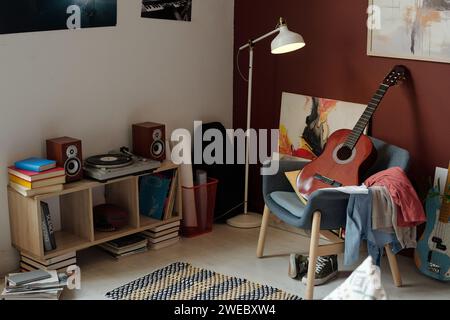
x: 326, y: 209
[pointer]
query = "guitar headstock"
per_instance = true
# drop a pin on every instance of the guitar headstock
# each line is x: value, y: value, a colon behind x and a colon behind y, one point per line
x: 397, y: 75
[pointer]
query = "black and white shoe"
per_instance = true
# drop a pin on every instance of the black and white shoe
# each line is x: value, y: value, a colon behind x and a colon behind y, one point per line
x: 326, y: 269
x: 298, y: 265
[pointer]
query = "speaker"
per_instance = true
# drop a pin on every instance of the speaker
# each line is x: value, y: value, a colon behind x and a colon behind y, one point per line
x: 67, y: 154
x: 149, y: 140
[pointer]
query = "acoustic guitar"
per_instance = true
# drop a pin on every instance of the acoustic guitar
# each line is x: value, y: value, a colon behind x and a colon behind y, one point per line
x: 347, y: 152
x: 432, y: 255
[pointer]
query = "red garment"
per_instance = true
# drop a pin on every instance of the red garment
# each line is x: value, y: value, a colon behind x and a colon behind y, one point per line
x: 403, y: 194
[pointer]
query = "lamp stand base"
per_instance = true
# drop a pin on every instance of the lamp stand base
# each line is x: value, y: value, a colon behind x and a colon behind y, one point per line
x: 247, y: 220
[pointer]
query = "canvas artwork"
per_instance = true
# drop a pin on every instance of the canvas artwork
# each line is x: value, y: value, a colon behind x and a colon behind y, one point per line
x: 411, y: 29
x: 180, y: 10
x: 307, y: 122
x: 43, y: 15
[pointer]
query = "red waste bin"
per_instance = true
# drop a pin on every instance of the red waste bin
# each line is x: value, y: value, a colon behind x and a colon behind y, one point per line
x: 204, y: 196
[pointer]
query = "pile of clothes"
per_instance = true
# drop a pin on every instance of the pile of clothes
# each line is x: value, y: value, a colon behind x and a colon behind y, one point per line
x: 387, y: 214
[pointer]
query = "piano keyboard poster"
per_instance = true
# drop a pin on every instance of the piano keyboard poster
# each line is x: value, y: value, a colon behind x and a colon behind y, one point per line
x: 180, y: 10
x: 42, y: 15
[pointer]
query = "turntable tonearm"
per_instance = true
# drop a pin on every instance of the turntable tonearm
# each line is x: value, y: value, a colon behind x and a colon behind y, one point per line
x: 116, y: 165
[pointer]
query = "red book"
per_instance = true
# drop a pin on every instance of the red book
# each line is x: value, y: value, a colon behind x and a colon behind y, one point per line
x: 36, y: 176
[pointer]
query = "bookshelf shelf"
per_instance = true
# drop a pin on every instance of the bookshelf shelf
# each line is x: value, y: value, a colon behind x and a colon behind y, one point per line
x: 101, y: 237
x: 66, y: 243
x: 76, y: 211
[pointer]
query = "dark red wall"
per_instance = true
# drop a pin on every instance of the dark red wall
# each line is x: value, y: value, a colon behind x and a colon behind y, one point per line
x: 334, y: 64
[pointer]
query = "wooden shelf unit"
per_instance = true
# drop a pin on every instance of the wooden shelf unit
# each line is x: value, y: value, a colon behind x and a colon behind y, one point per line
x: 77, y: 220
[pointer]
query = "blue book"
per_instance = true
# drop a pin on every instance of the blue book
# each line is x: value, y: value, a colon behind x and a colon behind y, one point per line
x: 35, y: 164
x: 153, y: 190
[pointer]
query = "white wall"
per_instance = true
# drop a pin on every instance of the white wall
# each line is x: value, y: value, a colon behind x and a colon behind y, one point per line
x: 94, y: 83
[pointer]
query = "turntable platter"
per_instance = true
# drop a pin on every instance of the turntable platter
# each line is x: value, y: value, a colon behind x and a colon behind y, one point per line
x: 109, y: 161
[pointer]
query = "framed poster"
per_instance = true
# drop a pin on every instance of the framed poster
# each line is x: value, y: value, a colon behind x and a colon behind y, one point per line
x: 410, y: 29
x: 43, y: 15
x: 307, y: 122
x: 180, y: 10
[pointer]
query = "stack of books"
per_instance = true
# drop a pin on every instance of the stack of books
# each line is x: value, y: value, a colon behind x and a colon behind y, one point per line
x: 162, y: 187
x: 163, y: 235
x: 60, y: 263
x: 34, y: 176
x: 125, y: 246
x: 34, y: 285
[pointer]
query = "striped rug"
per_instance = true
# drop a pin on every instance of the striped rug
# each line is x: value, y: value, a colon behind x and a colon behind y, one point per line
x: 182, y: 281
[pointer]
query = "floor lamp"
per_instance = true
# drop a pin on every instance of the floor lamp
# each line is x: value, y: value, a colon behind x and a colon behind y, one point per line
x: 286, y: 41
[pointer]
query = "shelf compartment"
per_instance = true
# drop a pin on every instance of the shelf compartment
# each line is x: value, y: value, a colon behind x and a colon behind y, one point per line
x: 76, y: 214
x: 67, y: 242
x: 124, y: 194
x: 77, y: 230
x: 148, y: 222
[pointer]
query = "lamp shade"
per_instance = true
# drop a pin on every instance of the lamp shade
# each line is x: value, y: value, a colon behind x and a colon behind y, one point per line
x: 287, y: 41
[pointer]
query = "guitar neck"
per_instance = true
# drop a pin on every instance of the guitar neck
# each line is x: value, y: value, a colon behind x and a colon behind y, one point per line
x: 366, y: 116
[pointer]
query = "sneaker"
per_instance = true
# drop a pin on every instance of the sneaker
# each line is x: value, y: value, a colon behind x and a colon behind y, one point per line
x: 326, y: 269
x: 298, y: 265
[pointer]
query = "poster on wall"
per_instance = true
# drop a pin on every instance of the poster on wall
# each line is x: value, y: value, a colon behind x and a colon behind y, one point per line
x: 180, y: 10
x: 43, y: 15
x: 307, y: 122
x: 410, y: 29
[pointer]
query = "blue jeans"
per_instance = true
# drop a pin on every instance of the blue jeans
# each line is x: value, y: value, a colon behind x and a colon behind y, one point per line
x: 359, y: 227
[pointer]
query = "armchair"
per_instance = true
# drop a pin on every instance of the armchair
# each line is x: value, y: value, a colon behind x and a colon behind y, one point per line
x: 326, y: 209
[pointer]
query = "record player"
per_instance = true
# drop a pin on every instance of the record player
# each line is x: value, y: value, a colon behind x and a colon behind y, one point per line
x: 118, y: 164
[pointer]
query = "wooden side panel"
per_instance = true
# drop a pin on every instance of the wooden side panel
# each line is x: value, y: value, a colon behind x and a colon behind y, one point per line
x: 26, y: 223
x: 76, y: 214
x: 125, y: 194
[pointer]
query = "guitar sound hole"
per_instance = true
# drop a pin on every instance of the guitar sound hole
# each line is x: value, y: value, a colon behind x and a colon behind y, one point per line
x: 344, y: 153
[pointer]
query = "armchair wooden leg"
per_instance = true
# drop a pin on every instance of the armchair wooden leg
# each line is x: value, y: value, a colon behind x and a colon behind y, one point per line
x: 262, y: 233
x: 313, y: 250
x: 393, y: 264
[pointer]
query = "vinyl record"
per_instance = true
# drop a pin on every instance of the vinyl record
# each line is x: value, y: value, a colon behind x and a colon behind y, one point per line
x: 109, y: 161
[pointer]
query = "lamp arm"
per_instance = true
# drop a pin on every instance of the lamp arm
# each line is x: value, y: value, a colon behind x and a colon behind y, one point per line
x: 253, y: 41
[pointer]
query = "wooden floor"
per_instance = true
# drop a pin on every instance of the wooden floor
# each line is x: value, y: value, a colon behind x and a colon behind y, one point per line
x: 232, y: 251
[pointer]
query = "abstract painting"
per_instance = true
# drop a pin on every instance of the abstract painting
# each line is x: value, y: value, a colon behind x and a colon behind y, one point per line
x: 411, y: 29
x: 42, y: 15
x: 307, y: 122
x: 180, y: 10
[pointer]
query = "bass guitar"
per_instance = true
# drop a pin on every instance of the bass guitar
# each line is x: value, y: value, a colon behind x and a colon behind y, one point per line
x: 347, y: 152
x: 432, y: 255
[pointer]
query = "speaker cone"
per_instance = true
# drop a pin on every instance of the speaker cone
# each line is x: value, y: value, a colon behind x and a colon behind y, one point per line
x: 71, y: 151
x: 72, y: 166
x: 157, y: 148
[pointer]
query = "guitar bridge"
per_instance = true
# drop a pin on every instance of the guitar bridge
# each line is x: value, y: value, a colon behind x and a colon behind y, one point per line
x: 327, y: 180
